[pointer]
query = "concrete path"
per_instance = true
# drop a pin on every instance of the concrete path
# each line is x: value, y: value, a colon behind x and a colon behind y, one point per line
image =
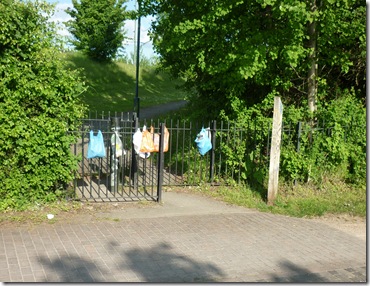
x: 187, y: 238
x: 157, y: 110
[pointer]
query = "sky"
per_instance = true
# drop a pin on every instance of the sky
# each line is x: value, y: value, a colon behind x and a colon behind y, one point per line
x: 147, y: 48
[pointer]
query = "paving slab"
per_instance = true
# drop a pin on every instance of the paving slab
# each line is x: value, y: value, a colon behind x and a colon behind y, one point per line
x: 177, y: 204
x: 187, y: 238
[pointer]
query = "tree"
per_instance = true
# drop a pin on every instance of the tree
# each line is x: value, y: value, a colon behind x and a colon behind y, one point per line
x: 39, y: 105
x: 97, y: 27
x: 234, y: 53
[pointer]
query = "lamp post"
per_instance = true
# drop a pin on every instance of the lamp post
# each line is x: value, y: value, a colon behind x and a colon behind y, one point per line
x: 137, y: 99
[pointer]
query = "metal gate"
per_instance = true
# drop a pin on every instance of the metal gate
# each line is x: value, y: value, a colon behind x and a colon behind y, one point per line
x: 119, y: 176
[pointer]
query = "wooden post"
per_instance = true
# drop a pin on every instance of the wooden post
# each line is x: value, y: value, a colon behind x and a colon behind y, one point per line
x: 160, y: 163
x: 275, y: 151
x: 212, y: 152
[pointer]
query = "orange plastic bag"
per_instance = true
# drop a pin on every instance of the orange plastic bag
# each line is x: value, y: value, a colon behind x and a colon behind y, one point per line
x: 156, y: 139
x: 147, y: 144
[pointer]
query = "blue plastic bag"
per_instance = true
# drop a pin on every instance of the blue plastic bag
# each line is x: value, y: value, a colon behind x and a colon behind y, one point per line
x: 96, y: 146
x: 203, y: 142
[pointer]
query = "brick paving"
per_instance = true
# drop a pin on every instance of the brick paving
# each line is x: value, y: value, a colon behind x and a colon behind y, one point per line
x: 229, y: 245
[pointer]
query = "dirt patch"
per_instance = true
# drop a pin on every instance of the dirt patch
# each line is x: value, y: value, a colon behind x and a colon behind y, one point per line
x: 353, y: 225
x: 83, y: 212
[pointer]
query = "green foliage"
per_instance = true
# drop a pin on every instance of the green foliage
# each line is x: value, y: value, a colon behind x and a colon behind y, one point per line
x: 39, y: 104
x: 97, y: 27
x: 237, y: 55
x: 343, y: 46
x: 247, y: 49
x: 337, y: 146
x: 245, y: 147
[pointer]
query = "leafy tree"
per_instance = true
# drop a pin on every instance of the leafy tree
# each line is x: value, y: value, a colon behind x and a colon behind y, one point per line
x: 236, y: 55
x: 97, y: 27
x: 233, y: 53
x: 39, y: 104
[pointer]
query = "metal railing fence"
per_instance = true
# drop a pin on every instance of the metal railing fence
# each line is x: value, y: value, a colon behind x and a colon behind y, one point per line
x: 239, y: 154
x: 119, y: 176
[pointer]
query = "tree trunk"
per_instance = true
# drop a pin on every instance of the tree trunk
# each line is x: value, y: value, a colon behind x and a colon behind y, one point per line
x: 312, y: 73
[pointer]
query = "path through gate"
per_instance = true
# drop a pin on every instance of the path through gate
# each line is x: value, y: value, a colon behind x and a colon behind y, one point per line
x: 122, y: 175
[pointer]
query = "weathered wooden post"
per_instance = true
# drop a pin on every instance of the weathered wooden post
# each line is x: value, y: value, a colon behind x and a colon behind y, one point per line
x: 275, y: 151
x: 212, y: 153
x: 160, y: 165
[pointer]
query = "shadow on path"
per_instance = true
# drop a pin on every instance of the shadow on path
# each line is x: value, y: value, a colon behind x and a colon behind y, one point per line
x: 294, y: 273
x: 70, y: 269
x: 297, y: 274
x: 153, y: 264
x: 161, y: 264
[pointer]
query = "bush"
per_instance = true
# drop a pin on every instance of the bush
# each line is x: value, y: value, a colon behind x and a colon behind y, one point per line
x: 39, y: 104
x: 247, y: 152
x: 336, y: 145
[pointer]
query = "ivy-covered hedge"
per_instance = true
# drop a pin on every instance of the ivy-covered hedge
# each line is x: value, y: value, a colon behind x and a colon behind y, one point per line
x: 331, y: 144
x: 39, y: 103
x: 336, y: 145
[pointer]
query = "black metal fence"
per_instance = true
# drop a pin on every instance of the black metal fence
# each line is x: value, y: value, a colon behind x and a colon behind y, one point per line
x: 121, y: 175
x: 134, y: 177
x: 238, y: 155
x: 184, y: 165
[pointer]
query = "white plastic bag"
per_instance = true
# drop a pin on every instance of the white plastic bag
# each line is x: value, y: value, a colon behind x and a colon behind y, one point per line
x: 117, y: 145
x: 137, y: 139
x: 138, y: 136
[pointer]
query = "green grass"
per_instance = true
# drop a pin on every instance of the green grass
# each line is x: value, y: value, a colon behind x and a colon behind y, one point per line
x: 112, y: 86
x: 299, y: 201
x: 333, y: 196
x: 37, y: 214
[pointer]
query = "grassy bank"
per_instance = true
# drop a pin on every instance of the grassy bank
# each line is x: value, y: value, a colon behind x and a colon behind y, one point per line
x: 112, y: 86
x: 299, y: 201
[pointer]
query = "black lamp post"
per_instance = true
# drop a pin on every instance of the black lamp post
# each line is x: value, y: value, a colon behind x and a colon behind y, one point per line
x: 137, y: 99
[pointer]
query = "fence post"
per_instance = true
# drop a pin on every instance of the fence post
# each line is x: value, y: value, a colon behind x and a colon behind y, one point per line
x: 299, y: 131
x: 114, y: 121
x: 160, y: 163
x: 133, y: 154
x: 275, y: 151
x: 212, y: 155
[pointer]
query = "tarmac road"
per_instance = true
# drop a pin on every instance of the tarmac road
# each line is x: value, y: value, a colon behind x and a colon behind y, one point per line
x: 151, y: 112
x: 187, y: 238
